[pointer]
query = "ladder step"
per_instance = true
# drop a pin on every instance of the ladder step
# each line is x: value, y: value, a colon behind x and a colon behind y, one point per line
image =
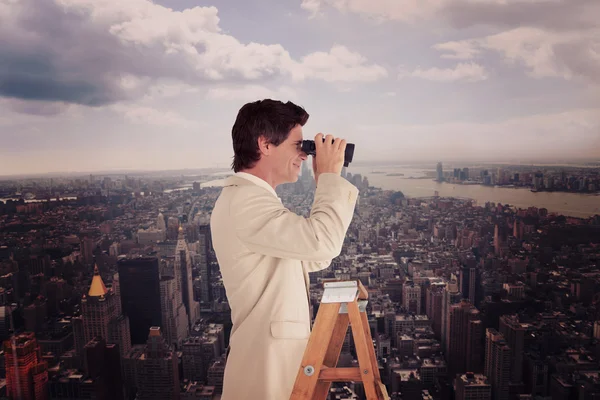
x: 340, y: 374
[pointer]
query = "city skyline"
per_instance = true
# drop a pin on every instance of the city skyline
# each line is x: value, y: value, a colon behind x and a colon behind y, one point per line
x: 99, y: 85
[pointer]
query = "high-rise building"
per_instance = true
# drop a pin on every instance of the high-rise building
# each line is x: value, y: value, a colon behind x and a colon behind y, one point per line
x: 497, y: 363
x: 471, y: 386
x: 450, y: 295
x: 139, y: 282
x: 470, y: 281
x: 160, y: 223
x: 435, y: 308
x: 514, y: 333
x: 87, y: 250
x: 440, y: 172
x: 103, y: 364
x: 183, y: 266
x: 194, y: 368
x: 157, y: 373
x: 26, y: 373
x: 464, y: 338
x: 206, y: 296
x: 101, y: 317
x: 597, y: 330
x: 174, y: 316
x: 411, y: 297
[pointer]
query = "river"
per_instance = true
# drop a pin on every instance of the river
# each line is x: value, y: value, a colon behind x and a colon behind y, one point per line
x: 571, y: 204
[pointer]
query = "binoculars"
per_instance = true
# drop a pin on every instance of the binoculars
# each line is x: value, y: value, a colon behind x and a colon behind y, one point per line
x: 308, y: 146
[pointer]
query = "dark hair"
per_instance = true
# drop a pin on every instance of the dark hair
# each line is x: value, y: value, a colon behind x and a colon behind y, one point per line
x: 269, y: 118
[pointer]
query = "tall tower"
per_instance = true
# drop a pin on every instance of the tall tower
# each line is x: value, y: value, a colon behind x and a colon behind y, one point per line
x: 514, y: 333
x: 139, y: 282
x: 470, y: 386
x: 101, y: 317
x: 411, y: 297
x: 87, y: 250
x: 157, y: 372
x: 464, y: 338
x: 174, y: 316
x: 183, y: 264
x: 440, y: 172
x: 470, y: 281
x: 103, y: 364
x: 26, y: 373
x: 205, y: 273
x: 450, y: 295
x: 497, y: 240
x: 160, y: 222
x: 161, y: 225
x: 497, y: 363
x: 434, y: 307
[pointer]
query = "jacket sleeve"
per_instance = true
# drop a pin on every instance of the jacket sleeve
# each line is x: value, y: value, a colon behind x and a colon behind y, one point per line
x: 266, y: 227
x: 314, y: 266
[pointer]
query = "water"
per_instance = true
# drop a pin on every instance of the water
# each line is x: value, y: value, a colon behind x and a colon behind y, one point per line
x: 42, y: 200
x: 571, y: 204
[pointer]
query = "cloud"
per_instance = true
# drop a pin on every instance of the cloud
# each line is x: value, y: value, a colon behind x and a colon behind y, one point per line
x: 544, y: 135
x: 249, y: 92
x: 312, y: 6
x: 98, y: 52
x: 543, y: 54
x: 551, y: 14
x: 462, y: 50
x: 463, y: 72
x: 406, y: 10
x: 339, y: 65
x: 142, y: 115
x: 41, y: 108
x: 550, y: 38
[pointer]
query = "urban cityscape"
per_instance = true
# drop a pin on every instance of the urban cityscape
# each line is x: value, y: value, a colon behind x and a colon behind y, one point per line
x: 475, y: 127
x: 114, y: 292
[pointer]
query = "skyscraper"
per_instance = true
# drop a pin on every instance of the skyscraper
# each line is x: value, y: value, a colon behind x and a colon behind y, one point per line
x: 157, y: 373
x: 26, y: 373
x: 514, y: 333
x: 470, y: 281
x: 87, y: 250
x: 140, y: 295
x: 183, y: 266
x: 450, y: 295
x: 174, y: 317
x: 411, y: 297
x: 205, y: 272
x: 435, y: 308
x: 440, y: 172
x: 101, y: 317
x: 464, y: 338
x: 470, y: 386
x: 497, y: 363
x: 103, y: 364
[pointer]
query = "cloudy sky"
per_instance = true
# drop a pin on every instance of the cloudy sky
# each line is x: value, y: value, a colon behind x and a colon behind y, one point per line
x: 91, y: 85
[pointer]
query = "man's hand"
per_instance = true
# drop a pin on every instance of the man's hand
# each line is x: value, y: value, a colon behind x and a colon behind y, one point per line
x: 330, y: 156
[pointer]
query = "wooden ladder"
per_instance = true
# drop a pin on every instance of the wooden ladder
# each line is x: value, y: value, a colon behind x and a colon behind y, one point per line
x: 343, y: 303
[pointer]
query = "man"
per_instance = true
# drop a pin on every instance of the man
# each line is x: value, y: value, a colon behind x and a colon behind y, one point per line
x: 265, y: 251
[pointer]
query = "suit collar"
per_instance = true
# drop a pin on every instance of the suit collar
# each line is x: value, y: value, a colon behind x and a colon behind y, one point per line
x: 244, y: 178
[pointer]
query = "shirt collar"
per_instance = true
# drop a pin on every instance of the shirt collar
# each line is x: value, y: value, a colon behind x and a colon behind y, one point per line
x: 258, y: 181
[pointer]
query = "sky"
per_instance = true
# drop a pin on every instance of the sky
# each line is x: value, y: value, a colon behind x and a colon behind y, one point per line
x: 88, y: 85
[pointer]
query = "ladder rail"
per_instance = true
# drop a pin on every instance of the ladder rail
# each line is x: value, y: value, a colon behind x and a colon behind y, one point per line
x: 339, y: 310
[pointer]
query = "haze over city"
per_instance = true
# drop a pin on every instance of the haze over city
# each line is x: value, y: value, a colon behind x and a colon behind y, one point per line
x: 100, y: 85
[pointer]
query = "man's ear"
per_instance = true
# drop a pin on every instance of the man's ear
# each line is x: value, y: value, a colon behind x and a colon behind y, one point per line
x: 264, y: 146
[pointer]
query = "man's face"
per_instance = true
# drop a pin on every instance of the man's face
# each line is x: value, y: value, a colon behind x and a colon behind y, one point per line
x: 288, y: 157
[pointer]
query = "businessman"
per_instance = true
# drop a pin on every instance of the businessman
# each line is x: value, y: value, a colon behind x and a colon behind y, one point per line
x: 265, y: 251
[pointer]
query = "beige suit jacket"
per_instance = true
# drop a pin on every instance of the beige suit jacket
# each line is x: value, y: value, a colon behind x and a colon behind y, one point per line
x: 265, y: 253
